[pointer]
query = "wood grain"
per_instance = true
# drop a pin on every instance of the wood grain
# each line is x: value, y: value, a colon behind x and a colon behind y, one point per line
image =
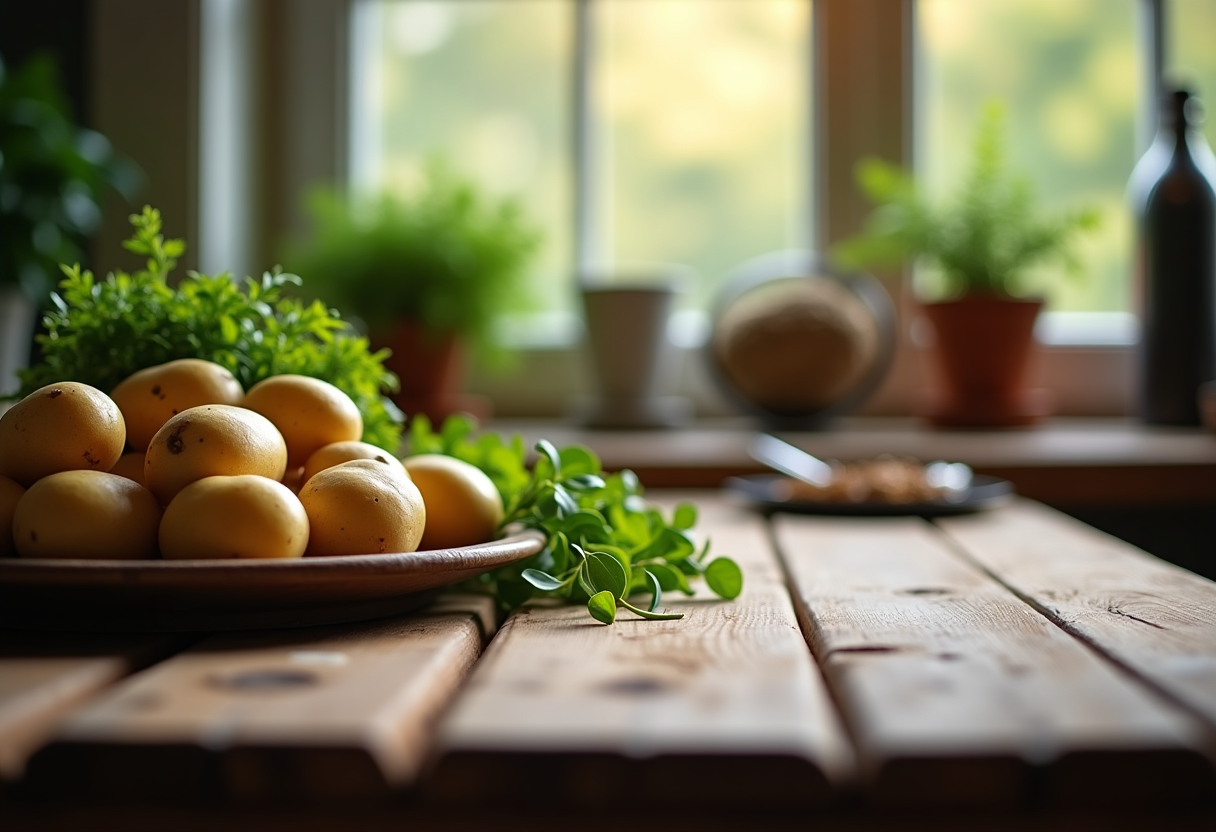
x: 1152, y: 617
x: 957, y: 692
x: 44, y: 675
x: 329, y: 712
x: 724, y: 706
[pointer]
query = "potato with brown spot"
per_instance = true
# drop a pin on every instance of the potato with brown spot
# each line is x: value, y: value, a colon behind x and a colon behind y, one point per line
x: 234, y: 517
x: 212, y: 440
x: 337, y: 452
x: 86, y: 514
x: 67, y: 426
x: 150, y: 397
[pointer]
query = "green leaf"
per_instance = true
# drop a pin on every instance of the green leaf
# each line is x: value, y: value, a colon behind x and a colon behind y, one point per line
x: 669, y: 544
x: 566, y: 504
x: 578, y: 461
x: 725, y: 578
x: 602, y: 607
x: 550, y: 453
x: 583, y: 482
x: 541, y: 580
x: 669, y: 578
x: 605, y: 572
x: 585, y: 522
x: 684, y: 517
x: 656, y: 589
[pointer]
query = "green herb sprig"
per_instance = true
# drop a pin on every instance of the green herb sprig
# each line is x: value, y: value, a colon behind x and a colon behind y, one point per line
x: 605, y: 544
x: 101, y: 331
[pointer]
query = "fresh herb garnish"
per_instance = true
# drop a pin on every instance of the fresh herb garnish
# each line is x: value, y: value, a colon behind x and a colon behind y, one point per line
x: 605, y: 544
x: 101, y: 331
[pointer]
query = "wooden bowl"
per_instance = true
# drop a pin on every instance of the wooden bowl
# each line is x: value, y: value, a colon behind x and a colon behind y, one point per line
x: 203, y: 595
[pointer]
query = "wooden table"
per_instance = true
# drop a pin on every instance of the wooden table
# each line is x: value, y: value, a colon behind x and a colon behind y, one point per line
x: 1006, y: 670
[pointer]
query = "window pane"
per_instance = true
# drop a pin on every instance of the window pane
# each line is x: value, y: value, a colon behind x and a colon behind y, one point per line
x: 1067, y: 72
x: 484, y: 83
x: 1190, y: 53
x: 700, y: 112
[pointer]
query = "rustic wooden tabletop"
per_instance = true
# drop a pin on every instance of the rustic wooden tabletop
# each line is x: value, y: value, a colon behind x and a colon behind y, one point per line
x: 1003, y: 670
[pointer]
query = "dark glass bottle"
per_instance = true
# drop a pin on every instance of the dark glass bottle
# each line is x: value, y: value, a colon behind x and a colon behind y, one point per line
x: 1174, y: 194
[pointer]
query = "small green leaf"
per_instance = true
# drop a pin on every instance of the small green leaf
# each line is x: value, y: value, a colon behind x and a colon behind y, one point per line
x: 724, y: 577
x: 577, y: 461
x: 605, y: 572
x: 685, y: 516
x: 657, y: 589
x: 566, y: 505
x: 228, y: 329
x: 541, y: 580
x: 585, y: 522
x: 545, y: 447
x: 669, y: 544
x: 583, y: 482
x: 670, y: 578
x: 602, y: 607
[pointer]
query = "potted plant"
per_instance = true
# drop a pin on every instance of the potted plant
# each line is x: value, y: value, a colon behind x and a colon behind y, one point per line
x: 429, y: 273
x: 53, y: 175
x: 982, y: 243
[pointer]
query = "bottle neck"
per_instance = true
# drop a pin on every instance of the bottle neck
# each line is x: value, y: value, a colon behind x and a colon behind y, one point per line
x: 1174, y: 118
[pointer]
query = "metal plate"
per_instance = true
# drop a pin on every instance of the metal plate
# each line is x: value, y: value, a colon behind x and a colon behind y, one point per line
x: 764, y: 492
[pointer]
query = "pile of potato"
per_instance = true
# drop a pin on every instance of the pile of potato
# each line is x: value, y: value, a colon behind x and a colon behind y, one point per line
x: 179, y: 462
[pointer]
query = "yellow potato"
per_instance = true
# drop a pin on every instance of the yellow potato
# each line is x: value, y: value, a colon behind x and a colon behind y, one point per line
x: 362, y: 507
x: 86, y: 514
x: 462, y: 505
x: 245, y: 516
x: 212, y: 440
x: 335, y: 452
x: 66, y: 426
x: 10, y: 493
x: 310, y: 413
x: 150, y: 397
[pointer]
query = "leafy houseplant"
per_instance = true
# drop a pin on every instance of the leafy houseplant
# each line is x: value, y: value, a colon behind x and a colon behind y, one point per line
x: 102, y: 329
x: 429, y: 273
x: 983, y: 244
x: 53, y: 175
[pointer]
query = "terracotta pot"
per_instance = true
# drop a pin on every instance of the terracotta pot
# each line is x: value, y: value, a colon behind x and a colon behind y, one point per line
x: 431, y: 369
x: 982, y: 350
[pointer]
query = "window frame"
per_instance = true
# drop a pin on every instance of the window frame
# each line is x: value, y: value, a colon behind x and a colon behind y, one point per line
x: 862, y: 104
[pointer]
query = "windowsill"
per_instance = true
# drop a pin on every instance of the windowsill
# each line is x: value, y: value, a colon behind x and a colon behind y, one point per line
x: 1064, y: 461
x: 1084, y: 380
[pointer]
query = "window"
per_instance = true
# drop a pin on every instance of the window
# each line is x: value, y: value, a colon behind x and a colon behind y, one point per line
x: 599, y: 108
x: 688, y: 121
x: 1066, y: 73
x: 1190, y: 59
x: 485, y: 85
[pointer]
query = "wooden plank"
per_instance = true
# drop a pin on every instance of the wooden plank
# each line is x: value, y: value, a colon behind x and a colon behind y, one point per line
x: 1152, y: 617
x: 957, y: 692
x: 722, y: 707
x: 332, y: 712
x: 44, y: 675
